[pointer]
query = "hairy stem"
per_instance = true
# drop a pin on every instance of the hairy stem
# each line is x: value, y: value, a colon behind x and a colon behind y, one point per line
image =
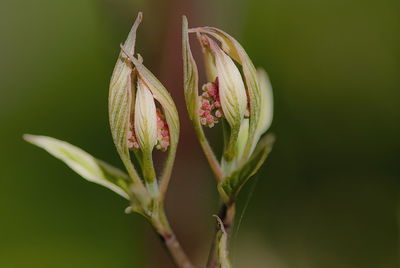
x: 170, y: 241
x: 227, y: 215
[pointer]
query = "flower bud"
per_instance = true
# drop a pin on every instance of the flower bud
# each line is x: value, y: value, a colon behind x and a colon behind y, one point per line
x: 243, y: 98
x: 145, y: 117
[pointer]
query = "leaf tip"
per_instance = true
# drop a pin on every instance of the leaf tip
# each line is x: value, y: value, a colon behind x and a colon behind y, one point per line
x: 220, y: 223
x: 140, y: 16
x: 29, y: 138
x: 184, y: 20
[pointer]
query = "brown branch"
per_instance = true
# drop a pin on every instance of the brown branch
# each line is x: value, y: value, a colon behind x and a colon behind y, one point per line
x: 171, y: 243
x: 175, y: 250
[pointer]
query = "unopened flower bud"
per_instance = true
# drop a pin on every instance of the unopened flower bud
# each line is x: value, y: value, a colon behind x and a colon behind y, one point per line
x: 243, y: 98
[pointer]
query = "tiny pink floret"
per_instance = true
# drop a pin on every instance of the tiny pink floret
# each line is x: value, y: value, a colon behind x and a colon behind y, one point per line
x: 132, y: 141
x: 210, y: 108
x: 163, y: 137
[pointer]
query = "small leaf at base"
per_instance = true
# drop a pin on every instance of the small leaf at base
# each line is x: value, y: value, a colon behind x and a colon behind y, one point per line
x: 222, y: 245
x: 84, y: 164
x: 229, y: 188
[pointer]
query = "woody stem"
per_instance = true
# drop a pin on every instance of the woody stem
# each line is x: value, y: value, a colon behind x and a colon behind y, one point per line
x: 162, y: 227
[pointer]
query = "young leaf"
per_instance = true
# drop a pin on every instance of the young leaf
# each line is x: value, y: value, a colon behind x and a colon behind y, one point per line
x: 222, y: 245
x: 230, y: 187
x: 84, y: 164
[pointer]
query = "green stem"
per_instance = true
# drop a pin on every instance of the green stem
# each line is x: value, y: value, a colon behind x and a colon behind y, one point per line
x: 208, y: 152
x: 212, y: 160
x: 149, y: 174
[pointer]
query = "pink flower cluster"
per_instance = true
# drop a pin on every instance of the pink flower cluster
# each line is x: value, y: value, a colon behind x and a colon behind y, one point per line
x: 210, y: 105
x: 132, y: 141
x: 162, y: 132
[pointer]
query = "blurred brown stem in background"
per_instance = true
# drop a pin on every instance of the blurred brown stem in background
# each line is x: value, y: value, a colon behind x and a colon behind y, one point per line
x: 185, y: 216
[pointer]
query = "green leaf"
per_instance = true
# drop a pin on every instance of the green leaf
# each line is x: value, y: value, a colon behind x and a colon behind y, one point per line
x: 230, y: 187
x: 222, y: 245
x: 84, y: 164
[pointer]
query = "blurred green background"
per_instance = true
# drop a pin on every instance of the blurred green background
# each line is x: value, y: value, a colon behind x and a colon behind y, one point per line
x: 328, y: 196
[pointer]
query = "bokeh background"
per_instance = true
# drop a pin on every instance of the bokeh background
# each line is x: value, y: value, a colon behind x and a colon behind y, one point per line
x: 328, y: 196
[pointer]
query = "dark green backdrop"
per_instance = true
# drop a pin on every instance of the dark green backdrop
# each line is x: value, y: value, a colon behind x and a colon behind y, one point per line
x: 328, y: 196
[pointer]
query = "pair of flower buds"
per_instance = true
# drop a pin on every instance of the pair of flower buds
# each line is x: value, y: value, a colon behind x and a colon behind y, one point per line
x: 143, y: 115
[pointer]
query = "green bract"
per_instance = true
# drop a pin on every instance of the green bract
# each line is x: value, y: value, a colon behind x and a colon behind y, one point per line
x: 190, y: 86
x: 120, y: 101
